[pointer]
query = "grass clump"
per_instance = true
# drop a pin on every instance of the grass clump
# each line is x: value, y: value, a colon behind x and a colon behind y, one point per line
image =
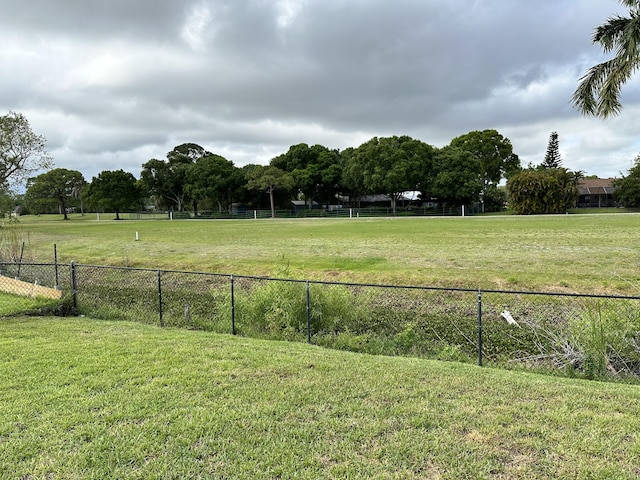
x: 607, y: 342
x: 11, y: 241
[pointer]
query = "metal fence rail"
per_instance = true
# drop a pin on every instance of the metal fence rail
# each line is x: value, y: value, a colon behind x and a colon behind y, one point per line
x: 342, y: 212
x: 549, y: 330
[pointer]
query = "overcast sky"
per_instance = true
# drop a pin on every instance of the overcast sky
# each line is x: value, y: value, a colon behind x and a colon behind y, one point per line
x: 114, y: 84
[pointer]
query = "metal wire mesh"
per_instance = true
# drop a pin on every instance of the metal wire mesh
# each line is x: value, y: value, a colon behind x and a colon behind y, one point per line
x: 194, y: 300
x: 117, y: 293
x: 597, y: 334
x: 563, y: 331
x: 34, y: 289
x: 270, y: 308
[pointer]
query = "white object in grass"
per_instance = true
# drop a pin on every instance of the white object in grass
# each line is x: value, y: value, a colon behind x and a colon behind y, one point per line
x: 509, y: 318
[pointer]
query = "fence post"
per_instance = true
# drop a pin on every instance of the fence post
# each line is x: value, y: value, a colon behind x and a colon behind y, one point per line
x: 160, y: 298
x: 308, y: 313
x: 20, y: 261
x: 233, y: 309
x: 74, y: 286
x: 480, y: 328
x: 55, y: 262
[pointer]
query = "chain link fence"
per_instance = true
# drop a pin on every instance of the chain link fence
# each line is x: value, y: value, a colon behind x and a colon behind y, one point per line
x: 587, y: 335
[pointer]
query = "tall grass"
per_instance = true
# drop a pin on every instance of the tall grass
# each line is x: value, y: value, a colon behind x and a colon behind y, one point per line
x: 12, y: 239
x: 608, y: 341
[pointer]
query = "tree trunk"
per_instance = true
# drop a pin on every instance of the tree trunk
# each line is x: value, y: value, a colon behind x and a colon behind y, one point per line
x: 273, y: 208
x: 62, y: 205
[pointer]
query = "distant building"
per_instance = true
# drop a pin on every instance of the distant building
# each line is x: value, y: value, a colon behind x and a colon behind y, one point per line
x: 299, y: 205
x: 384, y: 200
x: 596, y: 193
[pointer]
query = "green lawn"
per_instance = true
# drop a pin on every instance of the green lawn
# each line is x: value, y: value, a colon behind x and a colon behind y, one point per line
x: 585, y: 253
x: 15, y: 304
x: 82, y: 398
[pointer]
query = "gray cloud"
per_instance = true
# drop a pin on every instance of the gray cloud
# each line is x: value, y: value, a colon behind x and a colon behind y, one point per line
x: 113, y: 84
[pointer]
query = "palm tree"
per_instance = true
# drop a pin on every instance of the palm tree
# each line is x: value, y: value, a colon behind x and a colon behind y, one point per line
x: 599, y: 91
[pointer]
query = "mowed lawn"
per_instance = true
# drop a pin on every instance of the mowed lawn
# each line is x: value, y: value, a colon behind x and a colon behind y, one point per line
x: 82, y: 398
x: 573, y: 253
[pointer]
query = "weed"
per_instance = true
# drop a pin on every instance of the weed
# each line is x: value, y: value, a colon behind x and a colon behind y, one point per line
x: 11, y: 241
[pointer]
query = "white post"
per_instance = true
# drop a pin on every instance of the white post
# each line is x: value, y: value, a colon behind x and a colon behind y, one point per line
x: 351, y: 213
x: 255, y: 214
x: 463, y: 210
x: 98, y: 214
x: 136, y: 236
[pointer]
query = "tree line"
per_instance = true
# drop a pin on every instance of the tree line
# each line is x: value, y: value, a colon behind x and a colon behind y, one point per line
x: 191, y: 178
x: 470, y: 170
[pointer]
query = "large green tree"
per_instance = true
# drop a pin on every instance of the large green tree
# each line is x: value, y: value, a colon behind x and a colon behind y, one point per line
x: 269, y: 179
x: 598, y: 93
x: 214, y: 178
x: 458, y: 176
x: 166, y: 180
x: 495, y: 153
x: 114, y: 190
x: 390, y: 165
x: 628, y: 187
x: 316, y: 171
x: 543, y: 190
x: 55, y: 186
x: 22, y: 152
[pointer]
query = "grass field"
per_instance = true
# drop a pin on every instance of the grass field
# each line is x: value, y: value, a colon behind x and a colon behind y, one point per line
x: 82, y: 398
x: 578, y: 253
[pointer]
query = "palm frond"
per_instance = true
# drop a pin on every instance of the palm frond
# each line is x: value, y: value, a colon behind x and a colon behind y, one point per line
x: 609, y: 34
x: 598, y: 92
x: 630, y: 4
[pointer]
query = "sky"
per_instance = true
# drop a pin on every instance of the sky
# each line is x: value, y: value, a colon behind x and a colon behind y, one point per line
x: 111, y: 85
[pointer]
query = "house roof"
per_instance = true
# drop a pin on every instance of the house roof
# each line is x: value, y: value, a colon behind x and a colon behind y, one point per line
x: 596, y: 186
x: 381, y: 197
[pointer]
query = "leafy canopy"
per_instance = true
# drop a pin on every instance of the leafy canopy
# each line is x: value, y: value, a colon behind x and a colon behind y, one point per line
x: 56, y: 186
x: 22, y: 152
x: 628, y: 191
x: 114, y: 190
x: 543, y: 190
x: 494, y: 151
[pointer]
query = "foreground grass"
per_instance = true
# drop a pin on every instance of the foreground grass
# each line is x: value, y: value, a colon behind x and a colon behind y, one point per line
x: 579, y: 253
x: 91, y: 399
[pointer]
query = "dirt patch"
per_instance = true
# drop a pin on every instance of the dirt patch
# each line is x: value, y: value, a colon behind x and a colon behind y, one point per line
x: 26, y: 289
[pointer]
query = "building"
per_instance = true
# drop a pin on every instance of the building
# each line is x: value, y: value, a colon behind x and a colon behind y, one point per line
x: 596, y: 193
